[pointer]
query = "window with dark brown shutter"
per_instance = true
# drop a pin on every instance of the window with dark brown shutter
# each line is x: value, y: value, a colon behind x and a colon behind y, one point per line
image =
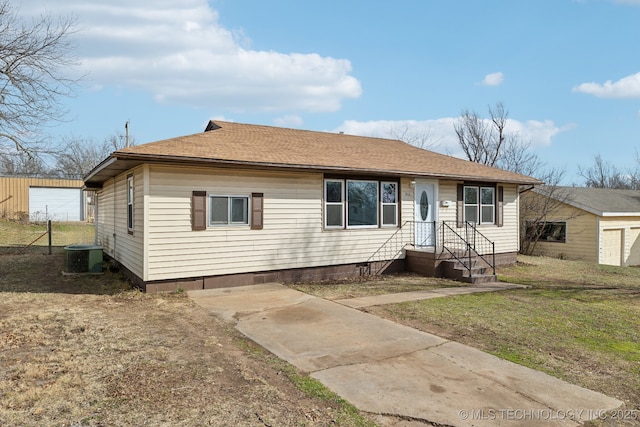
x: 199, y: 210
x: 257, y: 209
x: 499, y: 207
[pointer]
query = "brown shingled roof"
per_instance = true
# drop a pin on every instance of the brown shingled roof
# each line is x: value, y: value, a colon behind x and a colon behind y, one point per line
x: 267, y: 146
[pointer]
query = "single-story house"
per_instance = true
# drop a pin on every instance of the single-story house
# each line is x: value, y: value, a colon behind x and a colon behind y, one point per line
x: 599, y: 225
x: 242, y: 204
x: 42, y: 199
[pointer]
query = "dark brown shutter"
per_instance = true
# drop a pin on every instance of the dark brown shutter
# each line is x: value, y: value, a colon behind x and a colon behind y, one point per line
x: 257, y: 200
x: 499, y: 207
x: 199, y: 210
x: 460, y: 206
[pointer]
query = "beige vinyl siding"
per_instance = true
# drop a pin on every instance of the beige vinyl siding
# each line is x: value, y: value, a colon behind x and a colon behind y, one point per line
x: 447, y: 190
x: 292, y: 237
x: 505, y: 237
x: 112, y: 233
x: 625, y: 229
x: 581, y: 235
x: 14, y: 193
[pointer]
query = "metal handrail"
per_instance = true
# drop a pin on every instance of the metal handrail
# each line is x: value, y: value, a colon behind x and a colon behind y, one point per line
x: 391, y: 248
x: 394, y: 246
x: 474, y: 242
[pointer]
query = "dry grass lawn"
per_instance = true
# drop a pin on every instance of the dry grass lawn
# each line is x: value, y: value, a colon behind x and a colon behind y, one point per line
x: 90, y: 351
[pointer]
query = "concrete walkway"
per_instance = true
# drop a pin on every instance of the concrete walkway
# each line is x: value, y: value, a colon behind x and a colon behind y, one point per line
x: 403, y: 376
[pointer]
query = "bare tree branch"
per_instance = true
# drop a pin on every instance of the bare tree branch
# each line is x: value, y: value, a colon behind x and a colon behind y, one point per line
x: 33, y: 61
x: 420, y: 139
x: 602, y: 174
x: 78, y: 156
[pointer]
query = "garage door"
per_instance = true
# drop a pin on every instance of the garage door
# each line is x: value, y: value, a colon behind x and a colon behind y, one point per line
x: 56, y: 204
x: 611, y: 247
x: 634, y: 250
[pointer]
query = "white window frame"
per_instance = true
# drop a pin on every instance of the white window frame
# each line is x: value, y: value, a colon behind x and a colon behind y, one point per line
x: 229, y: 222
x: 394, y: 204
x: 479, y: 205
x: 130, y: 203
x: 341, y: 204
x: 492, y: 205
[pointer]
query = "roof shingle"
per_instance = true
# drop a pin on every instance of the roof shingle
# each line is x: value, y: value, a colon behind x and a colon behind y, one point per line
x: 267, y: 146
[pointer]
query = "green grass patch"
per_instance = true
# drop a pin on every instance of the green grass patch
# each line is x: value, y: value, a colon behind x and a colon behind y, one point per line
x: 15, y: 234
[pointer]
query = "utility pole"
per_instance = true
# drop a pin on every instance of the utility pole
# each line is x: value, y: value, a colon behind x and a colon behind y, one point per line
x: 126, y: 132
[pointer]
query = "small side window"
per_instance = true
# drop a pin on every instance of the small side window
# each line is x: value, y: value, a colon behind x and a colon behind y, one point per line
x: 389, y: 200
x: 334, y: 203
x: 130, y: 200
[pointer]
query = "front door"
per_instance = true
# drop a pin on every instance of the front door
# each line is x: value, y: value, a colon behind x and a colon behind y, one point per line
x: 425, y: 235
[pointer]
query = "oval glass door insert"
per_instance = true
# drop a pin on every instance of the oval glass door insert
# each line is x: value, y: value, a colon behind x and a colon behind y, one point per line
x: 424, y: 205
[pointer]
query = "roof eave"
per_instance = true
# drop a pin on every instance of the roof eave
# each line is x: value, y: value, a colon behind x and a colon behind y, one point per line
x: 119, y: 162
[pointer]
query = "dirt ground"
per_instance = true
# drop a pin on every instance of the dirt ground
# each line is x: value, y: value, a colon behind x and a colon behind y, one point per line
x: 88, y: 351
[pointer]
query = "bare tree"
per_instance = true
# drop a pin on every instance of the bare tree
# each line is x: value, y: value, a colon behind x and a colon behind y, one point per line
x: 487, y: 141
x: 602, y: 174
x: 482, y: 140
x: 33, y: 61
x: 77, y: 156
x: 22, y: 164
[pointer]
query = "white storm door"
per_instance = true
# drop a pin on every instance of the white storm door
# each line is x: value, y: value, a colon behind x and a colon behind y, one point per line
x: 424, y: 209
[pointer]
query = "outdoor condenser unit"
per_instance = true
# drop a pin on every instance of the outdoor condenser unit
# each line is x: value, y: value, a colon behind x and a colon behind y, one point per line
x: 83, y: 259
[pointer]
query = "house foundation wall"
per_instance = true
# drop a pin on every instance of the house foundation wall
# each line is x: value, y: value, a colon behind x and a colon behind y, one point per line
x: 311, y: 274
x: 425, y: 263
x: 430, y: 264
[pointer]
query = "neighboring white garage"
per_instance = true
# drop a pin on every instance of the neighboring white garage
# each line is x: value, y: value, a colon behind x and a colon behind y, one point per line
x: 56, y: 204
x: 599, y: 225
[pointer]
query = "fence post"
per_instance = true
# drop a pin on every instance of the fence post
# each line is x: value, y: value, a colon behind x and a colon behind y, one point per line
x: 49, y: 232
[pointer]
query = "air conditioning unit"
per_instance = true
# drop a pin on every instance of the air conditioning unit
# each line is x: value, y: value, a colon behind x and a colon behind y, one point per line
x: 82, y: 259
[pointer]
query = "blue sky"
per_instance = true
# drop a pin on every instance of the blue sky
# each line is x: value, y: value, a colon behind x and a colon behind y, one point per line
x: 567, y: 71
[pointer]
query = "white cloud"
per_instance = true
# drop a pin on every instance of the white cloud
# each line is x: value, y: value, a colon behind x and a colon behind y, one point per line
x: 626, y: 87
x: 493, y: 79
x: 179, y: 52
x: 440, y: 134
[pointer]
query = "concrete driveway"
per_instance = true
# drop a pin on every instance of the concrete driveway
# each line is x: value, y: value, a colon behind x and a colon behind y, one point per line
x: 403, y: 376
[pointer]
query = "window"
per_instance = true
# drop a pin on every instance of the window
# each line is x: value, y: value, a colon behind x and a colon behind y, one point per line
x: 479, y: 204
x: 547, y: 231
x: 362, y: 203
x: 228, y: 210
x: 334, y: 203
x: 389, y: 198
x: 130, y: 203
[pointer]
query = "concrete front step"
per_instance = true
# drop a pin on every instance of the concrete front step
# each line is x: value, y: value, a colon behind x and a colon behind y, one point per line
x: 477, y: 274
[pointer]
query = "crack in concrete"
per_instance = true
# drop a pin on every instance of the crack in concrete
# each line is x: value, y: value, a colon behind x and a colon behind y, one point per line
x: 412, y: 419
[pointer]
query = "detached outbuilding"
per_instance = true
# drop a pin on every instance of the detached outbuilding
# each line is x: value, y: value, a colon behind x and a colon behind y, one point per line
x: 42, y: 199
x: 242, y: 204
x: 599, y: 225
